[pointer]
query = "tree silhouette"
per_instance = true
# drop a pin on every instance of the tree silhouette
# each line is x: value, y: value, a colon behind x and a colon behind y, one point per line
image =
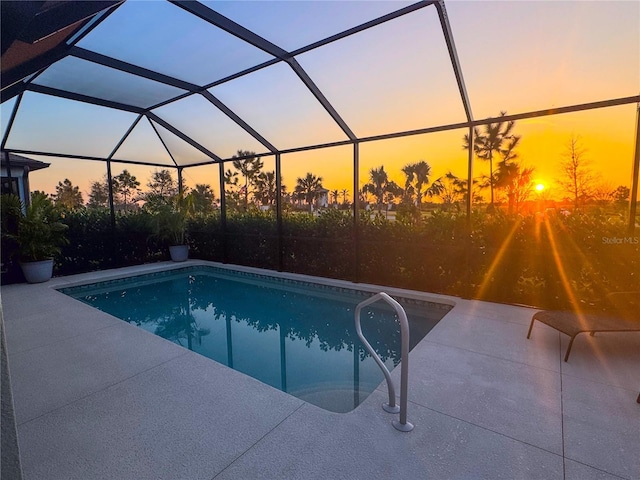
x: 621, y: 194
x: 98, y: 195
x: 162, y: 188
x: 202, y: 198
x: 125, y: 185
x: 491, y: 142
x: 162, y: 183
x: 249, y: 168
x: 577, y: 179
x: 417, y: 176
x: 344, y: 192
x: 308, y: 188
x: 266, y: 188
x: 452, y: 189
x: 67, y: 195
x: 516, y: 181
x: 380, y: 186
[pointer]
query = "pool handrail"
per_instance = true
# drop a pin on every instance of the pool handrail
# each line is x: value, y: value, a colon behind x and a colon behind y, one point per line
x: 391, y: 407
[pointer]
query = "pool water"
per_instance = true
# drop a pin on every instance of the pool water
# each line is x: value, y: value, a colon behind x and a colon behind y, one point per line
x: 296, y: 336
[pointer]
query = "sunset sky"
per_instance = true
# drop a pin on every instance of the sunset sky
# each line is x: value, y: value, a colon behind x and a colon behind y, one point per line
x: 516, y: 56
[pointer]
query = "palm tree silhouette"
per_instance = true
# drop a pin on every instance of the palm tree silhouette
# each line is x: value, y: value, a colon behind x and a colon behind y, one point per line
x: 344, y: 193
x: 266, y: 188
x: 307, y: 188
x: 491, y: 142
x: 381, y: 185
x: 417, y: 177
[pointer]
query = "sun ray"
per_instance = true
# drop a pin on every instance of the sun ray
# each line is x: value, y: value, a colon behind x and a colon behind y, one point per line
x: 497, y: 260
x: 564, y: 279
x: 579, y: 252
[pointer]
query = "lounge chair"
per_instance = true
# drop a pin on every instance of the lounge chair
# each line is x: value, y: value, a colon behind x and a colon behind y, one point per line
x: 623, y: 315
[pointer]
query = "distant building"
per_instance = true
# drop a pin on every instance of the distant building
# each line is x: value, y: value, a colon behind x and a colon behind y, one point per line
x: 322, y: 200
x: 16, y: 179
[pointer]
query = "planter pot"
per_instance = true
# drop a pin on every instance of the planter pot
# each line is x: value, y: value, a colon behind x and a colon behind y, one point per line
x: 37, y: 272
x: 179, y: 253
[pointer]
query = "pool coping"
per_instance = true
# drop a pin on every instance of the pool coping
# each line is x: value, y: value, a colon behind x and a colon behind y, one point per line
x: 116, y: 274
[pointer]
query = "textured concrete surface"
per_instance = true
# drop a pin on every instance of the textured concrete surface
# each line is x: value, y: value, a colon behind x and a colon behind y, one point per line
x: 493, y: 337
x: 578, y: 471
x: 97, y: 398
x: 505, y: 397
x: 187, y: 419
x: 71, y: 369
x: 364, y: 445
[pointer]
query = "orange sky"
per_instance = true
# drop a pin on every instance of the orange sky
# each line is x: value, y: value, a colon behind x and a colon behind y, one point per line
x: 606, y: 134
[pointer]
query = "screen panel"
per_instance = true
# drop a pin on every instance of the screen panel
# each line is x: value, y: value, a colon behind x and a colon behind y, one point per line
x: 532, y: 57
x: 5, y: 114
x: 279, y: 106
x: 81, y: 173
x: 166, y: 39
x: 391, y: 78
x: 292, y: 25
x: 51, y: 124
x: 332, y: 166
x: 203, y: 122
x: 144, y: 145
x: 182, y: 152
x: 87, y: 78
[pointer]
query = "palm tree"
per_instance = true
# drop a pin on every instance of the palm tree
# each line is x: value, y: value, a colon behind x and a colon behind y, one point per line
x: 509, y: 175
x: 266, y: 188
x: 334, y: 196
x: 417, y: 177
x: 344, y: 193
x: 451, y: 189
x: 454, y: 189
x: 381, y: 185
x: 435, y: 188
x: 516, y: 180
x: 491, y: 142
x: 307, y: 188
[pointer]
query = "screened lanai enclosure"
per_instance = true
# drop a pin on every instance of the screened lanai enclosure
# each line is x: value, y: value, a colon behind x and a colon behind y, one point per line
x: 485, y: 149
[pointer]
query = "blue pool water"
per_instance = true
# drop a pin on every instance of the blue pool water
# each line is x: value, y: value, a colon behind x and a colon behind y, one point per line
x: 295, y: 336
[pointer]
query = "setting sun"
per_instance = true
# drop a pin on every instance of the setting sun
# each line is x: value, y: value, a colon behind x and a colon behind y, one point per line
x: 540, y: 187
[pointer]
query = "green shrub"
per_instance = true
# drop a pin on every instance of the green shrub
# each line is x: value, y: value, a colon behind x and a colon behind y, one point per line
x: 552, y: 260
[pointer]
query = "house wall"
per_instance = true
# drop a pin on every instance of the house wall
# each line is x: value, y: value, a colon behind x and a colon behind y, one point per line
x: 22, y: 176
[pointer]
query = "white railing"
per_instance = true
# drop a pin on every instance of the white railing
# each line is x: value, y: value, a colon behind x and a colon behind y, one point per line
x: 391, y: 407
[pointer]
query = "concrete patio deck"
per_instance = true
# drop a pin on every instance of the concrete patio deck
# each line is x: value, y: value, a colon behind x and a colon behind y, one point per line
x: 97, y: 398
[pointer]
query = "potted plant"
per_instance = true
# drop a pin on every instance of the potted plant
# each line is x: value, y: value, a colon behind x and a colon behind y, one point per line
x: 171, y: 225
x: 39, y: 234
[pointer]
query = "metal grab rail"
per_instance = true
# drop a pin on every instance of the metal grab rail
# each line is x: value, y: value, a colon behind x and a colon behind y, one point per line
x: 391, y: 407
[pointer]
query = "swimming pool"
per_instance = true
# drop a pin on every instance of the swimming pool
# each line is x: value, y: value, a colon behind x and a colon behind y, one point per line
x: 297, y: 336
